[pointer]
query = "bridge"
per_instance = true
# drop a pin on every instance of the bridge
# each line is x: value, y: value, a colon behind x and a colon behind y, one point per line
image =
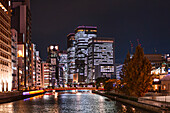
x: 74, y: 88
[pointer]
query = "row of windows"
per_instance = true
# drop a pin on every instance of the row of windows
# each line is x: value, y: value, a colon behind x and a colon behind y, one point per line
x: 5, y: 56
x: 6, y: 34
x: 3, y: 63
x: 4, y: 25
x: 5, y: 40
x: 5, y: 48
x: 4, y: 17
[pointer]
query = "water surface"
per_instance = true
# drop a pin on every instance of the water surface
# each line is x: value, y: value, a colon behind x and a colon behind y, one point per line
x: 68, y: 102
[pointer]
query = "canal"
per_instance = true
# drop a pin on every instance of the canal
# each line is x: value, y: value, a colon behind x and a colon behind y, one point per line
x: 68, y: 102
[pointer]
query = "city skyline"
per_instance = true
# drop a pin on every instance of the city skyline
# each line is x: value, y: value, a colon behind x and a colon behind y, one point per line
x: 59, y: 56
x: 125, y: 21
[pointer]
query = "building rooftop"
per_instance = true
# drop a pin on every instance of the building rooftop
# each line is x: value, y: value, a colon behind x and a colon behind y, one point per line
x: 71, y: 34
x: 86, y: 27
x: 82, y: 28
x: 166, y: 78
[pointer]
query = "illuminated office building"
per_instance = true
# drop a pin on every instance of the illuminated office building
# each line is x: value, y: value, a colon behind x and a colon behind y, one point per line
x: 101, y: 60
x: 33, y: 62
x: 72, y: 78
x: 82, y: 35
x: 45, y: 74
x: 63, y: 68
x: 5, y: 46
x: 39, y: 79
x: 53, y: 60
x: 21, y: 21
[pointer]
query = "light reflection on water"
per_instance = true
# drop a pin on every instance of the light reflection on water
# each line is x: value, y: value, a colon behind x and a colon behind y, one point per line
x: 66, y: 102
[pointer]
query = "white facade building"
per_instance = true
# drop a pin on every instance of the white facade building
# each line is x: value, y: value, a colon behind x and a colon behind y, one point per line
x: 5, y: 46
x: 101, y: 58
x: 82, y: 35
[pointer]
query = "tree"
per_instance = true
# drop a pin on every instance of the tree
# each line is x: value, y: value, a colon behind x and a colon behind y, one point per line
x: 101, y: 80
x: 136, y: 76
x: 109, y: 84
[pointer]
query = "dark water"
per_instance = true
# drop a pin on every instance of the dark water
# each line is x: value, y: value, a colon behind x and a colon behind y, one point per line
x: 68, y: 102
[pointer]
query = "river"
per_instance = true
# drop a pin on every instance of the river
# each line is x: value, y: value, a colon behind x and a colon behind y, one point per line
x: 68, y: 102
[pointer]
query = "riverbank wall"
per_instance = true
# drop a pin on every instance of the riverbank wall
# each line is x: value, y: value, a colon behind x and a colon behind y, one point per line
x: 6, y: 97
x: 134, y: 103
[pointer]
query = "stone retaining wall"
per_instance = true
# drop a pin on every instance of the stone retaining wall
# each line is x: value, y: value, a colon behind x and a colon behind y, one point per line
x: 14, y: 96
x: 136, y: 104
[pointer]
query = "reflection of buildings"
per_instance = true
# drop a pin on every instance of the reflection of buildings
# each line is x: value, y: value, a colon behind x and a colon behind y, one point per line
x: 71, y: 57
x: 21, y: 21
x: 53, y: 60
x: 14, y: 58
x: 63, y: 67
x: 5, y: 46
x: 101, y: 58
x: 82, y: 35
x: 45, y: 74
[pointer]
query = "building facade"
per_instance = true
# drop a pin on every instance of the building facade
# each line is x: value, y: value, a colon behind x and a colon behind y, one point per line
x: 118, y: 70
x: 53, y: 60
x: 45, y: 74
x: 5, y: 46
x: 38, y: 70
x: 101, y: 60
x: 34, y: 60
x: 14, y: 36
x: 82, y: 35
x: 71, y: 58
x: 21, y: 21
x: 63, y: 68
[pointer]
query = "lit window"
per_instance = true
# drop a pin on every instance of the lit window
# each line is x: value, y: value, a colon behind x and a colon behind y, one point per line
x: 51, y: 47
x: 56, y: 47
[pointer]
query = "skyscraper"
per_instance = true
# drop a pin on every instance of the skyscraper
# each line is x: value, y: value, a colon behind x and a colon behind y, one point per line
x: 71, y: 58
x: 63, y: 68
x: 5, y: 46
x: 53, y: 60
x: 101, y: 58
x: 21, y: 21
x: 82, y: 35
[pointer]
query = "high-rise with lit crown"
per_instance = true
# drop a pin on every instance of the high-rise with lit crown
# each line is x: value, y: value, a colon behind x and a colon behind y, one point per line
x: 82, y: 35
x: 5, y: 46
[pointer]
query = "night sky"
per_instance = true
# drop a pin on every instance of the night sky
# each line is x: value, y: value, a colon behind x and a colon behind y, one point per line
x: 125, y: 20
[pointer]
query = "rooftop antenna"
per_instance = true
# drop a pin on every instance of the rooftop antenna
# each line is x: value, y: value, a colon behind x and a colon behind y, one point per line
x: 155, y: 50
x: 131, y: 46
x: 138, y: 42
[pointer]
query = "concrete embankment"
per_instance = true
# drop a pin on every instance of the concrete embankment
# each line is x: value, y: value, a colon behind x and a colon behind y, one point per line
x: 134, y: 103
x: 14, y: 96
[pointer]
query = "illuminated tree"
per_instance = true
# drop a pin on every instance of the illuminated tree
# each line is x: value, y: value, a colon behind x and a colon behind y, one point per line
x: 136, y: 76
